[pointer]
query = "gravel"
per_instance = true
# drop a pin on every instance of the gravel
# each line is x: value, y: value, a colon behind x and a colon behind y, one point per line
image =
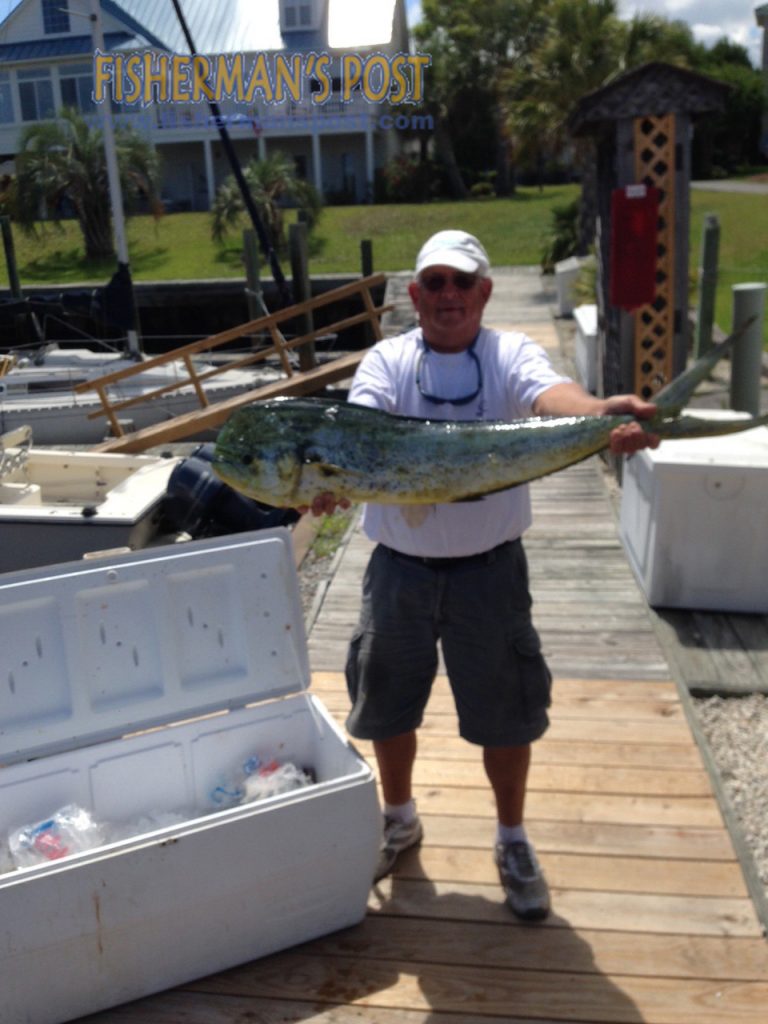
x: 736, y: 730
x: 319, y: 564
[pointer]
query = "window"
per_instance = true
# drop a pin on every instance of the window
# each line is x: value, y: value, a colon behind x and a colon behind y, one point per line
x: 6, y: 103
x: 55, y: 17
x: 35, y: 94
x: 297, y: 15
x: 76, y: 87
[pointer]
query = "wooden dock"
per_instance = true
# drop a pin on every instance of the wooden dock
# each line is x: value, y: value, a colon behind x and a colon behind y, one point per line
x: 652, y: 921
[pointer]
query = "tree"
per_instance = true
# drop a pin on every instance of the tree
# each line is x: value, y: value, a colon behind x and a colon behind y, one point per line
x: 650, y: 37
x: 578, y: 52
x: 726, y: 141
x: 61, y: 166
x: 585, y: 46
x: 471, y: 42
x: 274, y: 184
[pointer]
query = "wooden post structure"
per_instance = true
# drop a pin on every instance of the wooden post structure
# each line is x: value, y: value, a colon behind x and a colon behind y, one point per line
x: 366, y: 269
x: 14, y: 284
x: 366, y: 257
x: 24, y: 322
x: 659, y: 324
x: 302, y: 290
x: 705, y: 314
x: 640, y: 125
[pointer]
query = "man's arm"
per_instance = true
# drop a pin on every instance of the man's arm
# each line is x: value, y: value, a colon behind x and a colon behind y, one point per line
x: 570, y: 399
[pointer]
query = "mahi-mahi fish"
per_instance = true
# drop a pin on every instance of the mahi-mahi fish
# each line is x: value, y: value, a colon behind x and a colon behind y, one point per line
x: 286, y: 451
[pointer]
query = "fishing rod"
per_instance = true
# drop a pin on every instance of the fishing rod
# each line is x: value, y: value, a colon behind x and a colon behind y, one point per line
x: 234, y: 163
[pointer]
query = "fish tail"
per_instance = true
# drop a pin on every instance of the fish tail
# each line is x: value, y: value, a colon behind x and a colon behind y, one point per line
x: 699, y: 426
x: 675, y: 395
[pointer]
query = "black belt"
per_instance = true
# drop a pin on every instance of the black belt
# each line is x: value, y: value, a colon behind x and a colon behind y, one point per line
x: 460, y: 562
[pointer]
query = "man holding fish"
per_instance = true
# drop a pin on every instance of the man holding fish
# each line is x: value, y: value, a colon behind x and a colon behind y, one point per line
x: 445, y: 426
x: 457, y: 571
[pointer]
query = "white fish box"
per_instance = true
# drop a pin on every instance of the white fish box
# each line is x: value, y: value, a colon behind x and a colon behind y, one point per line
x: 585, y: 346
x: 98, y: 659
x: 693, y: 521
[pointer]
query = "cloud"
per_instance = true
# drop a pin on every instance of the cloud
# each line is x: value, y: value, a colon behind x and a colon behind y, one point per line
x: 709, y: 20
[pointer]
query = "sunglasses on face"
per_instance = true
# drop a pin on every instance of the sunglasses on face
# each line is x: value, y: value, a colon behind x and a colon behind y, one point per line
x: 436, y: 282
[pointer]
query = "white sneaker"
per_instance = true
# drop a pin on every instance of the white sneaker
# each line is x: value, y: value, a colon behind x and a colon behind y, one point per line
x: 397, y: 837
x: 522, y: 879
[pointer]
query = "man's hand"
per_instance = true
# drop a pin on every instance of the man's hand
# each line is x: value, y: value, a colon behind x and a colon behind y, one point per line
x: 324, y: 504
x: 630, y: 437
x: 570, y: 399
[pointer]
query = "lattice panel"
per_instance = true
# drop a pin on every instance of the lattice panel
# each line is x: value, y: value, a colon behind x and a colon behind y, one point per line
x: 654, y: 145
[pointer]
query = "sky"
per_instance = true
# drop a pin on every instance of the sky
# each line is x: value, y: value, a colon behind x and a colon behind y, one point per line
x: 710, y: 20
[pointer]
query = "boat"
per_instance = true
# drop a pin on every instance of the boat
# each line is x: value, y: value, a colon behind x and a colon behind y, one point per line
x: 57, y: 505
x: 64, y: 504
x: 39, y: 390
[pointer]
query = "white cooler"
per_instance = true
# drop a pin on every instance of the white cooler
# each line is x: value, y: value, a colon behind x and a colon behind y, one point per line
x: 97, y: 659
x: 694, y: 521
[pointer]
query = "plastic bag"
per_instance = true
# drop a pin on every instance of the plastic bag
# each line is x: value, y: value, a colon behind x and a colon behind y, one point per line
x: 70, y: 830
x: 280, y: 779
x: 256, y: 780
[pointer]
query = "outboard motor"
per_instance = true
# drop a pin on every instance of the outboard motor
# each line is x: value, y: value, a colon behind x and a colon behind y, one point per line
x: 201, y: 504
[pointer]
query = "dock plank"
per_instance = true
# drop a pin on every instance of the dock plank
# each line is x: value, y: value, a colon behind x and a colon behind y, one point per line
x: 588, y: 997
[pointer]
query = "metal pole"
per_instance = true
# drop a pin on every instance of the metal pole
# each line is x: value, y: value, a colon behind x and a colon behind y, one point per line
x: 705, y: 317
x: 253, y: 294
x: 746, y: 361
x: 113, y: 173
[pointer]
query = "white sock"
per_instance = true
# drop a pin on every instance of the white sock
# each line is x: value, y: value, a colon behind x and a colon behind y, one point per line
x: 511, y: 834
x: 404, y: 813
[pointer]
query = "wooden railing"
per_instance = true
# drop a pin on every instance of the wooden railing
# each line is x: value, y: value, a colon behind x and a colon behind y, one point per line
x: 371, y: 314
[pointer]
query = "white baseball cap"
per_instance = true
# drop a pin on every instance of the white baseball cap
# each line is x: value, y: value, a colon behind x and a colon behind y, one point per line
x: 455, y: 249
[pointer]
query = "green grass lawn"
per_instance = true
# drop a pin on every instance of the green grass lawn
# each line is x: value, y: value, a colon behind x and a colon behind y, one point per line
x: 743, y: 245
x: 179, y: 246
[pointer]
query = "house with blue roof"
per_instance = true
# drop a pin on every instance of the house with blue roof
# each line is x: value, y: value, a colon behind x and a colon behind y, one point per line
x: 325, y: 81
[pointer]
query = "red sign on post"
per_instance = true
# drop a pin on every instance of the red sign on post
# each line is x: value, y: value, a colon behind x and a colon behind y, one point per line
x: 634, y: 239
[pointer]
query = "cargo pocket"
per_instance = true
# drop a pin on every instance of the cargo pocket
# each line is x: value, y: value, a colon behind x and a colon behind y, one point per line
x: 534, y: 677
x: 351, y: 668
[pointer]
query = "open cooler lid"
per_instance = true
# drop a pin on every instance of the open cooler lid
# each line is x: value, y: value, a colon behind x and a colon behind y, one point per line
x: 96, y: 649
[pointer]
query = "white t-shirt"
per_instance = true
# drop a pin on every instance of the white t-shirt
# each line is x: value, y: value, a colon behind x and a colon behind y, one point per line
x: 514, y: 371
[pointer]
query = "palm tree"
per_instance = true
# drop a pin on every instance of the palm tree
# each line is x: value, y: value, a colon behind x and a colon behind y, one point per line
x: 580, y: 51
x: 62, y: 163
x: 274, y: 184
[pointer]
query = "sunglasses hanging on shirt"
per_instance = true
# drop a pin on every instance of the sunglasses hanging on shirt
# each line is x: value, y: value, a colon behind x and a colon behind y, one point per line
x: 437, y: 399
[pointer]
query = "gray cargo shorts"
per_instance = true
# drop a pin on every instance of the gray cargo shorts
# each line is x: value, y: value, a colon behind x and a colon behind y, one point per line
x: 479, y: 608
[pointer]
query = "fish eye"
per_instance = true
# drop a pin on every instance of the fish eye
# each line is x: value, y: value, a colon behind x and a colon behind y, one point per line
x: 247, y: 460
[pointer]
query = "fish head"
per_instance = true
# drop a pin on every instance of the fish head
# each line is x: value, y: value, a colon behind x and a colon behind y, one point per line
x: 256, y: 454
